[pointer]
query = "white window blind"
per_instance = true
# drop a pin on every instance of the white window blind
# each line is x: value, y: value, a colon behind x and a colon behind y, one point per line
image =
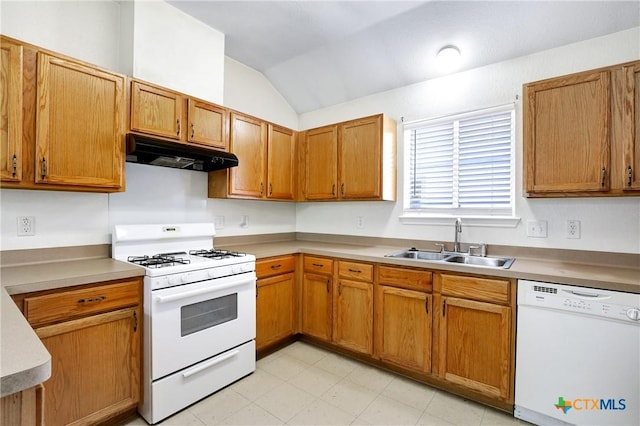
x: 462, y: 164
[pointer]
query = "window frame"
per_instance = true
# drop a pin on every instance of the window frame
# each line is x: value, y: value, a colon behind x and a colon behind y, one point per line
x: 503, y: 217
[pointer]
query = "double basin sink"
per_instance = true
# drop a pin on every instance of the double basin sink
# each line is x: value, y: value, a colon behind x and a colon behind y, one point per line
x: 453, y: 257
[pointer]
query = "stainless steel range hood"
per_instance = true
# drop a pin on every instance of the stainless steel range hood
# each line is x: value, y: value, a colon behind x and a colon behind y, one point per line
x: 160, y: 152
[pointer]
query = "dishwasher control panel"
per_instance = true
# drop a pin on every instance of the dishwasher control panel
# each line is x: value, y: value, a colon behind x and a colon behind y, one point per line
x: 602, y: 303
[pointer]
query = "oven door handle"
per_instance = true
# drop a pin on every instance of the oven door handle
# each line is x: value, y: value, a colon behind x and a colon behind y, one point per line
x: 187, y: 294
x: 209, y: 364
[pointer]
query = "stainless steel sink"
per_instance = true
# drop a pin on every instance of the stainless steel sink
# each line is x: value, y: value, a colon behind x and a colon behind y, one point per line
x: 494, y: 262
x: 418, y: 255
x: 449, y: 257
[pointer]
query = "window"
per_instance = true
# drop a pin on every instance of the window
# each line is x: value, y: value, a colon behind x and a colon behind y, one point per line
x: 461, y: 165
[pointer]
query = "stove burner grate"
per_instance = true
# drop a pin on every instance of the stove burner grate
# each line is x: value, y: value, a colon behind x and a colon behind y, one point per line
x: 159, y: 260
x: 216, y: 253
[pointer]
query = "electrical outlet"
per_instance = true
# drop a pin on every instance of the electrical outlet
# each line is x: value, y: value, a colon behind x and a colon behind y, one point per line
x: 537, y: 228
x: 244, y: 221
x: 26, y: 226
x: 573, y: 229
x: 218, y: 222
x: 360, y: 222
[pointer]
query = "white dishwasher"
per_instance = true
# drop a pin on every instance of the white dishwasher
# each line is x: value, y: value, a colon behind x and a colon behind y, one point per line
x: 577, y: 355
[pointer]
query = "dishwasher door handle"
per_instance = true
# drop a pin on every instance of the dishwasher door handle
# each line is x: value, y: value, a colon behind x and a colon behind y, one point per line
x: 587, y: 295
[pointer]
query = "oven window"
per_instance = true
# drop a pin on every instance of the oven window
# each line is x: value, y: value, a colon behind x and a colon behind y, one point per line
x: 207, y: 314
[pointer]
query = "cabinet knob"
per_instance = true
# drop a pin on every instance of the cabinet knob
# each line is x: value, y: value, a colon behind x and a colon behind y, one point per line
x: 193, y: 131
x: 14, y: 163
x: 629, y: 176
x: 178, y: 123
x: 342, y: 189
x: 604, y: 176
x: 261, y: 188
x: 44, y: 167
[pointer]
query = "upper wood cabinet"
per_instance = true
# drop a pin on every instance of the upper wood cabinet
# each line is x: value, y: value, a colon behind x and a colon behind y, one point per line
x: 629, y: 128
x: 266, y: 162
x: 11, y: 110
x: 163, y: 112
x: 579, y: 133
x: 352, y: 160
x: 63, y: 122
x: 80, y: 124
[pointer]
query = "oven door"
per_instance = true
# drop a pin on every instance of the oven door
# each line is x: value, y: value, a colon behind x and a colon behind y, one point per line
x: 196, y: 321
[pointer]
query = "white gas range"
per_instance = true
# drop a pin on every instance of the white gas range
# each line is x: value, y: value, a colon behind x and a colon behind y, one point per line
x: 199, y: 313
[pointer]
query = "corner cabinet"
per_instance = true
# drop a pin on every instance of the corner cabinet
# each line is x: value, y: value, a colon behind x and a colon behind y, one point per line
x: 353, y: 307
x: 93, y: 336
x: 475, y: 333
x: 580, y: 133
x: 165, y: 113
x: 317, y: 296
x: 352, y: 160
x: 275, y: 300
x: 267, y: 162
x: 63, y: 122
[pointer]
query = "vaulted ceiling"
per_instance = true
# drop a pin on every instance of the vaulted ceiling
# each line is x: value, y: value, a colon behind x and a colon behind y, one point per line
x: 321, y: 53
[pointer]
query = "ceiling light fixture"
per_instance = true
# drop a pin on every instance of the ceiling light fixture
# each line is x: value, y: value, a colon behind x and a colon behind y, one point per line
x: 448, y: 58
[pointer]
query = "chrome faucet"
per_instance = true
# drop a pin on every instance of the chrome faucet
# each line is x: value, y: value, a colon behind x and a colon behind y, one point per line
x: 458, y: 231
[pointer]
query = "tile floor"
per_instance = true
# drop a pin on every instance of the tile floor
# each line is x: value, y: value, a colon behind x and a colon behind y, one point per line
x: 305, y: 385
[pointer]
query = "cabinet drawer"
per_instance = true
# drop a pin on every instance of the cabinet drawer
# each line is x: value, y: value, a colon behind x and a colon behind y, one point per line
x: 355, y: 270
x: 275, y: 266
x: 484, y: 289
x: 319, y: 265
x: 413, y: 279
x: 75, y: 303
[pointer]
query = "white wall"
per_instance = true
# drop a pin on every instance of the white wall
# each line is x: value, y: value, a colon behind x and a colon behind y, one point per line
x: 608, y: 224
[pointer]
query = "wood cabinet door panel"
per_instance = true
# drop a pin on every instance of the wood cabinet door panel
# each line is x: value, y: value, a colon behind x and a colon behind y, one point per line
x: 275, y: 309
x: 316, y: 305
x: 403, y: 327
x: 474, y: 345
x: 80, y: 124
x: 360, y: 158
x: 247, y: 141
x: 11, y: 111
x: 631, y: 127
x: 155, y: 111
x: 567, y: 133
x: 353, y: 316
x: 281, y: 163
x: 207, y: 124
x: 95, y: 369
x: 321, y: 163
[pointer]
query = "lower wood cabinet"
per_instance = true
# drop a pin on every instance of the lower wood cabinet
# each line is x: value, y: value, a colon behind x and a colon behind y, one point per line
x: 93, y: 336
x: 475, y: 337
x: 403, y: 317
x: 275, y: 300
x: 317, y: 294
x: 23, y: 408
x: 353, y: 307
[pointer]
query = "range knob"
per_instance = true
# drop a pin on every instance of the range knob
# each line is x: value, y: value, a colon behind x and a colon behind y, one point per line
x: 633, y: 314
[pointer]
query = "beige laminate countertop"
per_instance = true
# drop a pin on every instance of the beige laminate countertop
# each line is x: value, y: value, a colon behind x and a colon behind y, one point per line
x: 24, y: 361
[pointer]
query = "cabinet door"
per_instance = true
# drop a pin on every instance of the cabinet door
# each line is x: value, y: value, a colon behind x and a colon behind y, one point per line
x: 321, y: 163
x: 567, y: 134
x: 275, y: 302
x: 631, y: 127
x: 474, y: 345
x: 155, y: 111
x: 403, y: 327
x: 11, y: 111
x: 95, y: 367
x: 247, y: 141
x: 353, y: 319
x: 316, y: 305
x: 281, y: 163
x: 80, y: 124
x: 207, y: 124
x: 360, y: 158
